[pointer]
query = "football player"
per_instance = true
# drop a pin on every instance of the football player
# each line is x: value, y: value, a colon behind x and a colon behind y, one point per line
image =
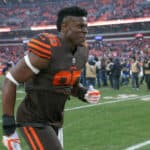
x: 51, y: 72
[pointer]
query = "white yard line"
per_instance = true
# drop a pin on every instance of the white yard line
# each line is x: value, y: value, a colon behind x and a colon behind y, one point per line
x: 104, y: 103
x: 109, y: 102
x: 137, y: 146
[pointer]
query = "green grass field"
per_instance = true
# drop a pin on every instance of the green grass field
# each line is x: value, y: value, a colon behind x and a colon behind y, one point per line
x: 121, y: 120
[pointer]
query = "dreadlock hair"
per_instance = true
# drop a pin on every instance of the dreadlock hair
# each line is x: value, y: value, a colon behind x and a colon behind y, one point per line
x: 69, y: 11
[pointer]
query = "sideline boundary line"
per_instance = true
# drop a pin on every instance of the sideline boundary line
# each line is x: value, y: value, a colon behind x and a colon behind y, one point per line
x: 109, y: 102
x: 104, y: 103
x: 137, y: 146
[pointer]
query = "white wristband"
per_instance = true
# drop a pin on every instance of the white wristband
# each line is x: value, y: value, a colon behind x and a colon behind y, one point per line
x: 28, y: 63
x: 11, y: 78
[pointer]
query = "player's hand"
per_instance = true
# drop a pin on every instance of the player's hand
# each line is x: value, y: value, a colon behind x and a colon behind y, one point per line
x: 12, y: 142
x: 92, y: 96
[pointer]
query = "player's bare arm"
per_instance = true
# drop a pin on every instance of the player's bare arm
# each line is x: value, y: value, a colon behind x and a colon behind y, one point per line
x: 20, y: 73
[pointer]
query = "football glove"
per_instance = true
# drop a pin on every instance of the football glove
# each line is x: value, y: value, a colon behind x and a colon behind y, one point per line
x: 12, y: 142
x: 92, y: 96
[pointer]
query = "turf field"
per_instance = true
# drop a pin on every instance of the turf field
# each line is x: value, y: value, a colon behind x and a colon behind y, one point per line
x: 121, y: 121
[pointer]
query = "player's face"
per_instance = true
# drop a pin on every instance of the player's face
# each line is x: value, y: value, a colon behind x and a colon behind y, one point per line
x: 76, y: 30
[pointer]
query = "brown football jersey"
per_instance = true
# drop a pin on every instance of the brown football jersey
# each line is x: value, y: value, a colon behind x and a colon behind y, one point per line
x: 48, y: 91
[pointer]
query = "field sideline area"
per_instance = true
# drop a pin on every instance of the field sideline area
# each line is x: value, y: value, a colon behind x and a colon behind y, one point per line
x: 121, y: 121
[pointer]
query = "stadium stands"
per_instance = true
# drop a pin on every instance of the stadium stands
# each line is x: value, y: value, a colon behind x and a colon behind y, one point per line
x: 11, y: 53
x: 32, y: 13
x: 121, y: 48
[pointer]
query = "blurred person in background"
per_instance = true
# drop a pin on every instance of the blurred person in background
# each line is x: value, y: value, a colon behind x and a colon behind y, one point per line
x: 109, y: 68
x: 98, y: 71
x: 125, y: 73
x: 7, y: 65
x: 90, y: 72
x: 83, y: 77
x: 135, y: 70
x: 116, y: 72
x: 51, y: 72
x: 146, y: 68
x: 104, y: 72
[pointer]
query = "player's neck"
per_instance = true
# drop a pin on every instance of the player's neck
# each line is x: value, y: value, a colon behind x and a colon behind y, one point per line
x: 68, y: 42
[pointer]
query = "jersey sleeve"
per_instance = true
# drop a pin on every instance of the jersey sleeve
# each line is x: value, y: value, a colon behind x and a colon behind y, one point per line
x: 42, y: 45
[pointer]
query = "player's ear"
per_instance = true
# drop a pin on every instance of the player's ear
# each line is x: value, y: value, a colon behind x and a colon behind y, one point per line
x: 63, y: 27
x: 65, y: 24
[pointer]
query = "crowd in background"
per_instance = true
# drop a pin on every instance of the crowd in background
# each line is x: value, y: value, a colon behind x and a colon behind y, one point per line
x: 114, y: 48
x: 118, y: 63
x: 34, y: 13
x: 121, y: 48
x: 11, y: 53
x: 110, y: 63
x: 115, y: 72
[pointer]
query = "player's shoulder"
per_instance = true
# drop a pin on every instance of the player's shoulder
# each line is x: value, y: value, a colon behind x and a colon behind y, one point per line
x: 43, y: 44
x: 53, y: 39
x: 50, y: 38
